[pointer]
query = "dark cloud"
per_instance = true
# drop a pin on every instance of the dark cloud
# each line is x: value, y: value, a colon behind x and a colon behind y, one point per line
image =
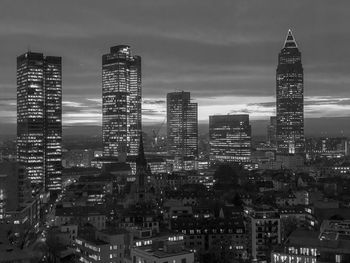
x: 246, y: 111
x: 149, y: 112
x: 153, y: 102
x: 310, y: 101
x: 214, y: 49
x: 263, y: 104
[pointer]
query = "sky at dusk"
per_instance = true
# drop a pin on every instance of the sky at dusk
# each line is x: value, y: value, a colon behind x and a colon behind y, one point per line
x: 223, y: 52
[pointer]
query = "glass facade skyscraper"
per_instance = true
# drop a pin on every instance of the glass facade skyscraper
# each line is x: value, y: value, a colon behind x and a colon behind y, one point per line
x: 182, y: 125
x: 290, y: 99
x: 39, y: 118
x: 121, y: 102
x: 229, y: 138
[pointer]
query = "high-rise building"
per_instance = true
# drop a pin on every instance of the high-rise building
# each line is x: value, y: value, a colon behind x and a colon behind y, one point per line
x: 182, y: 125
x: 290, y: 99
x: 271, y: 131
x: 229, y: 138
x: 121, y: 102
x: 39, y: 118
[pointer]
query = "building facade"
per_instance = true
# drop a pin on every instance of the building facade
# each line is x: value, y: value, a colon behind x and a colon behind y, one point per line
x: 104, y: 246
x: 264, y: 231
x: 290, y: 99
x: 39, y: 118
x: 229, y: 138
x: 182, y: 125
x: 223, y: 236
x: 161, y: 251
x: 121, y: 102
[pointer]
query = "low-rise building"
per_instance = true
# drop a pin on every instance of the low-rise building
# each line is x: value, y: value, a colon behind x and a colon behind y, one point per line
x: 312, y: 246
x: 170, y: 250
x: 103, y: 246
x: 157, y: 165
x: 138, y: 218
x: 212, y: 234
x: 206, y: 179
x: 80, y: 216
x: 340, y: 227
x: 88, y: 191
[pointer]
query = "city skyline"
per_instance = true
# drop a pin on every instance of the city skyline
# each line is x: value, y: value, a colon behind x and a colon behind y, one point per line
x: 174, y: 131
x: 180, y: 58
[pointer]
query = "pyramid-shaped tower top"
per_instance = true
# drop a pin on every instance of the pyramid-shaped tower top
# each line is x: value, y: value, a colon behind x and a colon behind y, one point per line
x: 290, y: 41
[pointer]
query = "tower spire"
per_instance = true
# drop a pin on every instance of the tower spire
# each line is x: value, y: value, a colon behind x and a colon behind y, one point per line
x: 141, y: 169
x: 290, y: 40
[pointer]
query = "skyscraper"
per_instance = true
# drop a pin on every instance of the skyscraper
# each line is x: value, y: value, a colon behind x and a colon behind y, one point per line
x: 182, y: 125
x: 39, y: 118
x: 229, y: 138
x: 121, y: 102
x: 290, y: 99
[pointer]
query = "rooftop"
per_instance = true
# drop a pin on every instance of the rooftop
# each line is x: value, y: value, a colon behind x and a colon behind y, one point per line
x: 114, y: 231
x: 92, y: 240
x: 313, y: 239
x: 161, y: 253
x: 79, y: 211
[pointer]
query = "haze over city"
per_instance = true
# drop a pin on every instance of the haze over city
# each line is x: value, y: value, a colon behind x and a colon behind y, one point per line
x: 224, y: 54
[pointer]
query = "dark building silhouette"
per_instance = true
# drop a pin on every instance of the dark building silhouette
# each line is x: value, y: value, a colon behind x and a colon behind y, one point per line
x: 271, y: 131
x: 229, y: 138
x: 290, y: 99
x: 182, y: 125
x: 15, y: 190
x: 142, y: 171
x: 39, y: 118
x: 121, y: 102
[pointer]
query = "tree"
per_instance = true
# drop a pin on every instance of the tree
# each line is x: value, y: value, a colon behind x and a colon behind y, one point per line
x: 288, y: 224
x: 237, y: 201
x: 226, y: 176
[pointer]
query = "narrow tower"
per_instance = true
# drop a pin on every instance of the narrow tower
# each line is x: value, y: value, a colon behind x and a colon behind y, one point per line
x: 121, y: 102
x: 290, y: 99
x: 182, y: 125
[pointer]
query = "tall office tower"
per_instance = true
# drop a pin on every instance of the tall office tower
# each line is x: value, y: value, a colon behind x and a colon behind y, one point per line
x: 39, y: 118
x: 290, y: 99
x: 182, y: 125
x: 229, y: 138
x: 121, y: 102
x: 271, y: 131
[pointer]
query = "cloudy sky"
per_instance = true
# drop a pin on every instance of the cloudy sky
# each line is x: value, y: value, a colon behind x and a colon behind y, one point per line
x: 223, y: 52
